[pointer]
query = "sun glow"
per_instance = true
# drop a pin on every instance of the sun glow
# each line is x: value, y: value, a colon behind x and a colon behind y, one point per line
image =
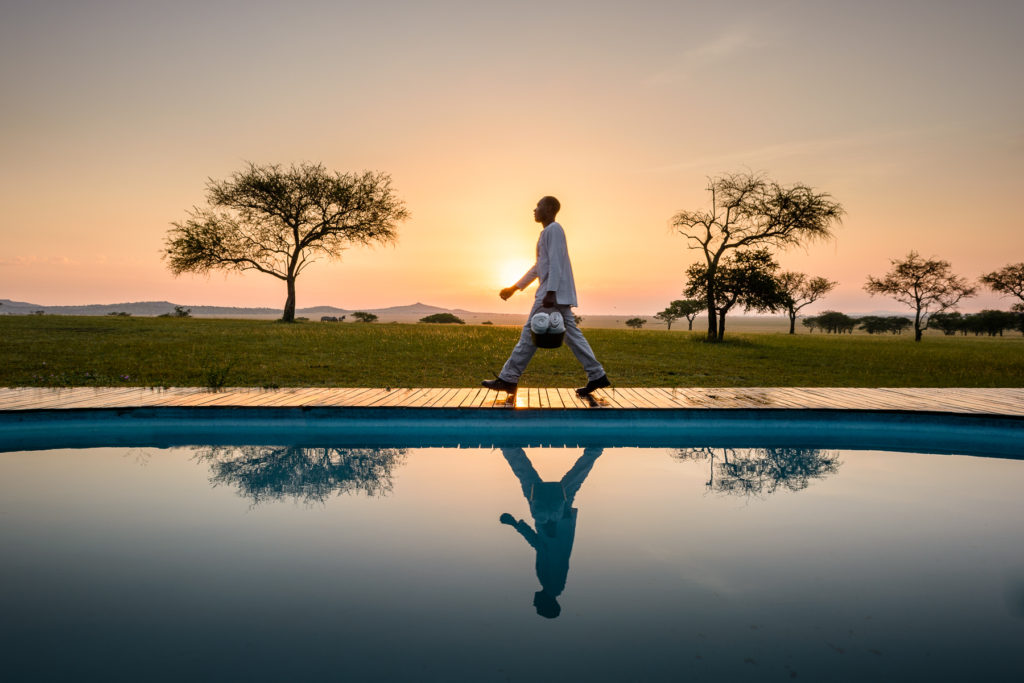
x: 511, y: 270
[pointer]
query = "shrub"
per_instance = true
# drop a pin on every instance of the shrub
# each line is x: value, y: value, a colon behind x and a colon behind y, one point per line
x: 443, y: 318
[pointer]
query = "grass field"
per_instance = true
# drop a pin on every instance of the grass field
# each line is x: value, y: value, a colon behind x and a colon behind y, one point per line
x: 102, y: 351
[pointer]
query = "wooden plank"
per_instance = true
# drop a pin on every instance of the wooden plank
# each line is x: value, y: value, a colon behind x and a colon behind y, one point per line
x: 472, y: 398
x: 611, y: 397
x: 637, y: 397
x: 554, y: 398
x: 678, y: 397
x: 542, y: 398
x: 365, y: 397
x: 830, y: 398
x: 946, y: 400
x: 671, y: 396
x: 372, y: 398
x: 440, y: 396
x: 417, y: 400
x: 340, y: 397
x: 399, y: 398
x: 660, y: 398
x: 569, y: 398
x: 982, y: 398
x: 316, y: 397
x: 394, y: 398
x: 73, y: 397
x: 86, y: 397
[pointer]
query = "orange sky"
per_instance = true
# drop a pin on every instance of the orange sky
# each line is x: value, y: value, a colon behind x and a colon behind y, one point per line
x: 114, y: 114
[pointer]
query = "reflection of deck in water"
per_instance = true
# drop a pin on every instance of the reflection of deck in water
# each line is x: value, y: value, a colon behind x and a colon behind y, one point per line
x: 941, y: 400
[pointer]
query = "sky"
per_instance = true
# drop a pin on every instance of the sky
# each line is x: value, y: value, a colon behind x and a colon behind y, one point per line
x: 114, y: 116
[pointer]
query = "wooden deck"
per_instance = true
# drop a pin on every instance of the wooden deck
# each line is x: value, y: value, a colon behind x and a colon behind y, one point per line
x: 1009, y: 402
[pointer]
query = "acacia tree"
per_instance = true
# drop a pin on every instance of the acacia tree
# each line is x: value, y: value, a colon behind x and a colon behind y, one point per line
x: 1008, y: 281
x: 311, y: 475
x: 749, y: 211
x: 277, y: 221
x: 681, y: 308
x: 762, y: 471
x: 746, y: 278
x: 926, y: 285
x: 636, y: 323
x: 799, y: 291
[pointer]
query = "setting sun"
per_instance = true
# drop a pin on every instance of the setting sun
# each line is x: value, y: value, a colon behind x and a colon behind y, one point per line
x: 511, y: 270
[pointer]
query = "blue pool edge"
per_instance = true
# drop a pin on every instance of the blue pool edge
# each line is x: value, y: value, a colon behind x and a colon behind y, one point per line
x: 164, y: 427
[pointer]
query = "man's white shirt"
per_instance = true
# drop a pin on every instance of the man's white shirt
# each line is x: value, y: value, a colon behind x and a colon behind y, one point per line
x: 552, y: 267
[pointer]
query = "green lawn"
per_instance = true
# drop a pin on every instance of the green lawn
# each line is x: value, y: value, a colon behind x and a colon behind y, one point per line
x: 84, y: 351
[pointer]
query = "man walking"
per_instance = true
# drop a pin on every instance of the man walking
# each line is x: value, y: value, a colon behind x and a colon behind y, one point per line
x: 557, y: 291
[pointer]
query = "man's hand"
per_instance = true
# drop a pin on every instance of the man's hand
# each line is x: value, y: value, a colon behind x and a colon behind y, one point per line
x: 507, y: 292
x: 549, y: 301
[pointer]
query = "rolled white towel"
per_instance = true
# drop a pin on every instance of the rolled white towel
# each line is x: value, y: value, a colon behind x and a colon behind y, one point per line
x: 540, y: 322
x: 557, y: 324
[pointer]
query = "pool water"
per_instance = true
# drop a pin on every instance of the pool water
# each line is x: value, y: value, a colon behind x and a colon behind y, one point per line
x: 512, y: 563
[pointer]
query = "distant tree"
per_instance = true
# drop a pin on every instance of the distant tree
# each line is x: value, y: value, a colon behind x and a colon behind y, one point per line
x: 744, y: 278
x: 681, y: 308
x: 762, y: 471
x: 835, y: 322
x: 578, y: 319
x: 668, y: 316
x: 873, y: 324
x: 364, y: 317
x: 949, y: 323
x: 897, y: 323
x: 992, y: 323
x: 799, y: 291
x: 120, y: 314
x: 636, y: 323
x: 748, y: 211
x: 443, y: 318
x: 310, y: 475
x: 1008, y: 281
x: 487, y: 322
x: 926, y: 285
x: 277, y: 221
x: 810, y: 323
x: 178, y: 312
x: 876, y: 324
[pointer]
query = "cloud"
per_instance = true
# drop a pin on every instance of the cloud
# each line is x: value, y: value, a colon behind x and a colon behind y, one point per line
x: 721, y: 48
x: 18, y: 261
x: 764, y: 154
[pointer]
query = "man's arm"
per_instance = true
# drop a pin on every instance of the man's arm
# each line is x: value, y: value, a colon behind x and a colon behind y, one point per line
x: 522, y: 527
x: 523, y: 283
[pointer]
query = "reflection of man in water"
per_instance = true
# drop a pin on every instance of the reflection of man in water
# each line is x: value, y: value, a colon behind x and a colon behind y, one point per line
x: 555, y: 519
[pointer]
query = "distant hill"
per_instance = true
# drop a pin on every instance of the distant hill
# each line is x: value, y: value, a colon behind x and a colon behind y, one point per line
x: 155, y: 308
x: 400, y: 314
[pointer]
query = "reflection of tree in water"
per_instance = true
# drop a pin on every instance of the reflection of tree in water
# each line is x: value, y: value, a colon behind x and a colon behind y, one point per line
x: 762, y: 471
x: 308, y: 474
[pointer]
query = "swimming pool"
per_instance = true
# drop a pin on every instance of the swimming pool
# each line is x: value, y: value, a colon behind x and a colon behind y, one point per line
x: 734, y: 547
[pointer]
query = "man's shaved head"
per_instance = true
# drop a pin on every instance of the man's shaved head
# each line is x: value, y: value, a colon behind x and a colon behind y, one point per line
x: 551, y: 203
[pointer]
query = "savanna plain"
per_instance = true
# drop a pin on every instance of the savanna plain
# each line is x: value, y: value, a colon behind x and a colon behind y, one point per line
x: 157, y: 352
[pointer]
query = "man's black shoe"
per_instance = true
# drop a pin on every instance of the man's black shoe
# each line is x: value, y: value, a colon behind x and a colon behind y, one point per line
x: 500, y: 385
x: 594, y: 384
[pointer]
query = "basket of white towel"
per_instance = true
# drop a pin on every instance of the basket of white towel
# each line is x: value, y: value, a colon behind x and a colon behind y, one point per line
x: 547, y: 329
